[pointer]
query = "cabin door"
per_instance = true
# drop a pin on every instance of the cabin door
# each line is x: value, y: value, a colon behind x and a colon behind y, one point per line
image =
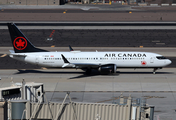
x: 151, y: 59
x: 36, y: 60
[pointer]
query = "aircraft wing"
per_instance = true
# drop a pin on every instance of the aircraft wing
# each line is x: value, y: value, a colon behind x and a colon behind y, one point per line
x: 78, y: 65
x: 82, y: 65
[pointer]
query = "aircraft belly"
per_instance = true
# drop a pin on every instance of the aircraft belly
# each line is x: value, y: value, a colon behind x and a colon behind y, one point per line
x: 48, y: 64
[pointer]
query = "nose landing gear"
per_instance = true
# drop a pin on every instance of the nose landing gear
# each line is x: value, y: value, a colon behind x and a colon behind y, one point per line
x: 154, y: 70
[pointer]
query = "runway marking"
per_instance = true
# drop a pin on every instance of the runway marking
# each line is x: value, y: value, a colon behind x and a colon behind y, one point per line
x: 160, y: 43
x: 44, y: 68
x: 64, y: 12
x: 52, y: 33
x: 4, y: 55
x: 156, y: 41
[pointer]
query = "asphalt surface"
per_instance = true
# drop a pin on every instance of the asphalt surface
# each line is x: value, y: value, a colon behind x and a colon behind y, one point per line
x: 88, y: 13
x: 8, y: 63
x: 83, y: 17
x: 104, y: 9
x: 60, y: 11
x: 95, y: 38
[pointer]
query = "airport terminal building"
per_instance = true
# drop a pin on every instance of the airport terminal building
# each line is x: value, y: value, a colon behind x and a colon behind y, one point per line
x: 61, y: 2
x: 33, y: 2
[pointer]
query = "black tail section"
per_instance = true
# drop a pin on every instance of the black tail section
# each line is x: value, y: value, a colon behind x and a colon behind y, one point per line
x: 20, y: 42
x: 71, y: 49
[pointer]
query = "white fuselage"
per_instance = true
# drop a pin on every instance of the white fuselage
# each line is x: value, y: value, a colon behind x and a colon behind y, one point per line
x: 120, y: 59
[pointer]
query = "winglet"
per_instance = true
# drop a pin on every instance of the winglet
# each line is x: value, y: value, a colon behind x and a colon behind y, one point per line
x: 65, y: 60
x: 71, y: 49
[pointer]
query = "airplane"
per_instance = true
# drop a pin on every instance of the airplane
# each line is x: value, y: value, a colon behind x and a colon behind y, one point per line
x: 104, y: 62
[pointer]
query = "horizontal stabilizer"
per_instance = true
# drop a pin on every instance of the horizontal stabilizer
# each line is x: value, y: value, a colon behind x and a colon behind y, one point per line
x: 11, y: 51
x: 18, y: 55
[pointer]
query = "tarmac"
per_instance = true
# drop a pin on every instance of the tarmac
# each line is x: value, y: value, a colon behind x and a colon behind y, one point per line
x: 128, y: 80
x: 96, y: 37
x: 89, y: 13
x: 159, y: 89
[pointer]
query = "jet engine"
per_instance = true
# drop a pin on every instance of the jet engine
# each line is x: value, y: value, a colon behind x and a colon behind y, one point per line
x: 106, y: 69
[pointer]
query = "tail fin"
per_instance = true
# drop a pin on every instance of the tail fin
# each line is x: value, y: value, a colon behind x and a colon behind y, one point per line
x: 71, y: 49
x: 20, y: 42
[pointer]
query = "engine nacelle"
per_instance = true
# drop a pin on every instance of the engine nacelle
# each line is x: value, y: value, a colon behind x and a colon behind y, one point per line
x: 106, y: 69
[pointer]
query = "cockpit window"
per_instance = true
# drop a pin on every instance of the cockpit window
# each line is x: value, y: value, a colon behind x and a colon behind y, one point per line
x: 160, y: 57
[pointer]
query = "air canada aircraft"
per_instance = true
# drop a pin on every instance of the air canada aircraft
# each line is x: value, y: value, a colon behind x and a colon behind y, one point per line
x: 105, y: 62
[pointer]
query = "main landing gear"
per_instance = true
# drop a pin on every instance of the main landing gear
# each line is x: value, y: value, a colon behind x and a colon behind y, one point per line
x: 88, y: 71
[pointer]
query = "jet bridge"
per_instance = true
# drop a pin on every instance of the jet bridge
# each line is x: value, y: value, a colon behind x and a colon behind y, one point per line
x: 26, y: 90
x: 26, y: 101
x: 123, y: 109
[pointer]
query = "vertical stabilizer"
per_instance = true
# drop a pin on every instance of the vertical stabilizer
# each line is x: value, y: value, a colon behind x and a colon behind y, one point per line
x: 20, y: 42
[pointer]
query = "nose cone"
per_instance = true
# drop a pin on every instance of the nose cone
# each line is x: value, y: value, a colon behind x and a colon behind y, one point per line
x: 168, y: 62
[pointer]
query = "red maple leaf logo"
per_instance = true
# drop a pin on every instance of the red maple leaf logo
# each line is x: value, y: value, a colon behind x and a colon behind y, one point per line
x: 143, y: 62
x: 20, y: 43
